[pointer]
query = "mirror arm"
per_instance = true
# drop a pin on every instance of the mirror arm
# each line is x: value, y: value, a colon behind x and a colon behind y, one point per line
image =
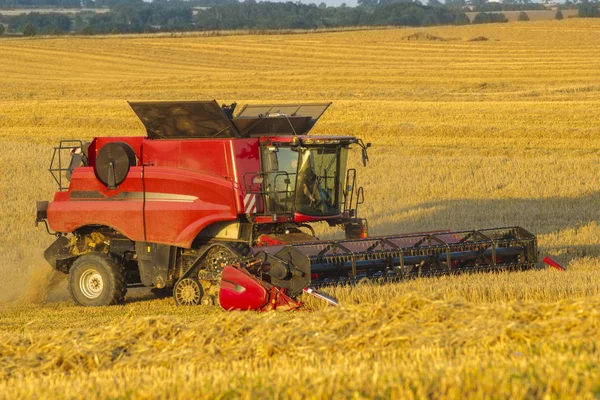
x: 365, y: 155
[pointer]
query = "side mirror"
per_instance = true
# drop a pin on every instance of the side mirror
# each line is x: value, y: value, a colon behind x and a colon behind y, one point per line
x: 365, y: 155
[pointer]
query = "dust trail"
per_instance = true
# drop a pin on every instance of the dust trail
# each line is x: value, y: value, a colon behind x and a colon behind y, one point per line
x: 32, y: 281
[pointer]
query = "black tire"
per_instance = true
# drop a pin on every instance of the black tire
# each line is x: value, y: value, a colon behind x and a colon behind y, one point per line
x: 96, y: 279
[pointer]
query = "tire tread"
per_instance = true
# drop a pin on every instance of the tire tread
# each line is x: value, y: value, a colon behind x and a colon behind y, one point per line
x: 117, y: 277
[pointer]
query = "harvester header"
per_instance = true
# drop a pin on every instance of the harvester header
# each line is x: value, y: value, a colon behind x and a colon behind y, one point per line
x: 217, y: 205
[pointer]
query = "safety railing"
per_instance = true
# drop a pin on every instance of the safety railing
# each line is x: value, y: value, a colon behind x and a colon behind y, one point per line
x: 66, y: 156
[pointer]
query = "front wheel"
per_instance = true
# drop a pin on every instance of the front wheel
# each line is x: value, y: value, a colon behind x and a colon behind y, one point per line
x: 95, y: 279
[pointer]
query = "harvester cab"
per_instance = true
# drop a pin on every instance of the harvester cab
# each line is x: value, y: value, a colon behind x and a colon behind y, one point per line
x: 216, y: 206
x: 303, y: 179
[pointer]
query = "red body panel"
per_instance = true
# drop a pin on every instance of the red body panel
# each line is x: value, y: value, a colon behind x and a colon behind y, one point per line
x: 245, y: 161
x: 89, y: 202
x: 181, y: 203
x: 206, y: 156
x: 179, y: 186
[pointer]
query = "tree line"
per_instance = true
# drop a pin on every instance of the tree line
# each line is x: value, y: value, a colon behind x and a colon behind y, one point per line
x: 8, y: 4
x: 136, y: 16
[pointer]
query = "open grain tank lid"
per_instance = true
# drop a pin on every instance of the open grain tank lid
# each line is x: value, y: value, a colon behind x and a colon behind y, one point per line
x: 206, y: 119
x: 184, y: 119
x: 278, y: 119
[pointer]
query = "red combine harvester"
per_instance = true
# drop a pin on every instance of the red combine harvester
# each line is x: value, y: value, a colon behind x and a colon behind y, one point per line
x: 214, y: 206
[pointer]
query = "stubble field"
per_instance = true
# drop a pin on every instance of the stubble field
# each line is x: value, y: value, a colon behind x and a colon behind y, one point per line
x: 466, y: 134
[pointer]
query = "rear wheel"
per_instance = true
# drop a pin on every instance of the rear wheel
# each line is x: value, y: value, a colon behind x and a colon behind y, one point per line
x: 96, y: 279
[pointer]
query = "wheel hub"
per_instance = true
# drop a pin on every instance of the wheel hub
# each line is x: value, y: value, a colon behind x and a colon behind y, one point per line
x: 91, y: 283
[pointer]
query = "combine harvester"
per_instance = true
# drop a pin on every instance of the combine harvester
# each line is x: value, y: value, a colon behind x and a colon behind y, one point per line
x: 215, y: 206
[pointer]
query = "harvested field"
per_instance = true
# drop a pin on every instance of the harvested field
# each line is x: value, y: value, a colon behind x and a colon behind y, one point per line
x: 466, y: 134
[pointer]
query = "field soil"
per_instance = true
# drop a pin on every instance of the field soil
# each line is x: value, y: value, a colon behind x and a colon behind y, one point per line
x: 467, y: 133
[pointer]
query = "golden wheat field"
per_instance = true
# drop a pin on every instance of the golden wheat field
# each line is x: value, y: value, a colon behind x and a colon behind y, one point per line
x: 466, y: 134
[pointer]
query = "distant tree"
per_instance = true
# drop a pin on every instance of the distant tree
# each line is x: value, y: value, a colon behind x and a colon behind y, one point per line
x: 29, y: 30
x: 429, y: 20
x: 129, y: 16
x: 78, y: 23
x: 462, y: 19
x: 481, y: 18
x: 588, y: 9
x: 478, y: 3
x: 487, y: 18
x: 457, y: 5
x: 368, y: 4
x: 40, y: 4
x: 1, y: 29
x: 523, y: 16
x: 499, y: 18
x: 559, y: 15
x: 57, y: 31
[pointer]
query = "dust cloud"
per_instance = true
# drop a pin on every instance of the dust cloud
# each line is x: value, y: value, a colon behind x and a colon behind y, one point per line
x: 31, y: 281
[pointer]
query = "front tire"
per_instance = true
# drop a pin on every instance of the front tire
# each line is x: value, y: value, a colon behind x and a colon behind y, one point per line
x: 96, y: 279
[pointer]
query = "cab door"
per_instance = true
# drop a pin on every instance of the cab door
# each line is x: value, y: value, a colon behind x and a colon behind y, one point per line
x: 280, y: 166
